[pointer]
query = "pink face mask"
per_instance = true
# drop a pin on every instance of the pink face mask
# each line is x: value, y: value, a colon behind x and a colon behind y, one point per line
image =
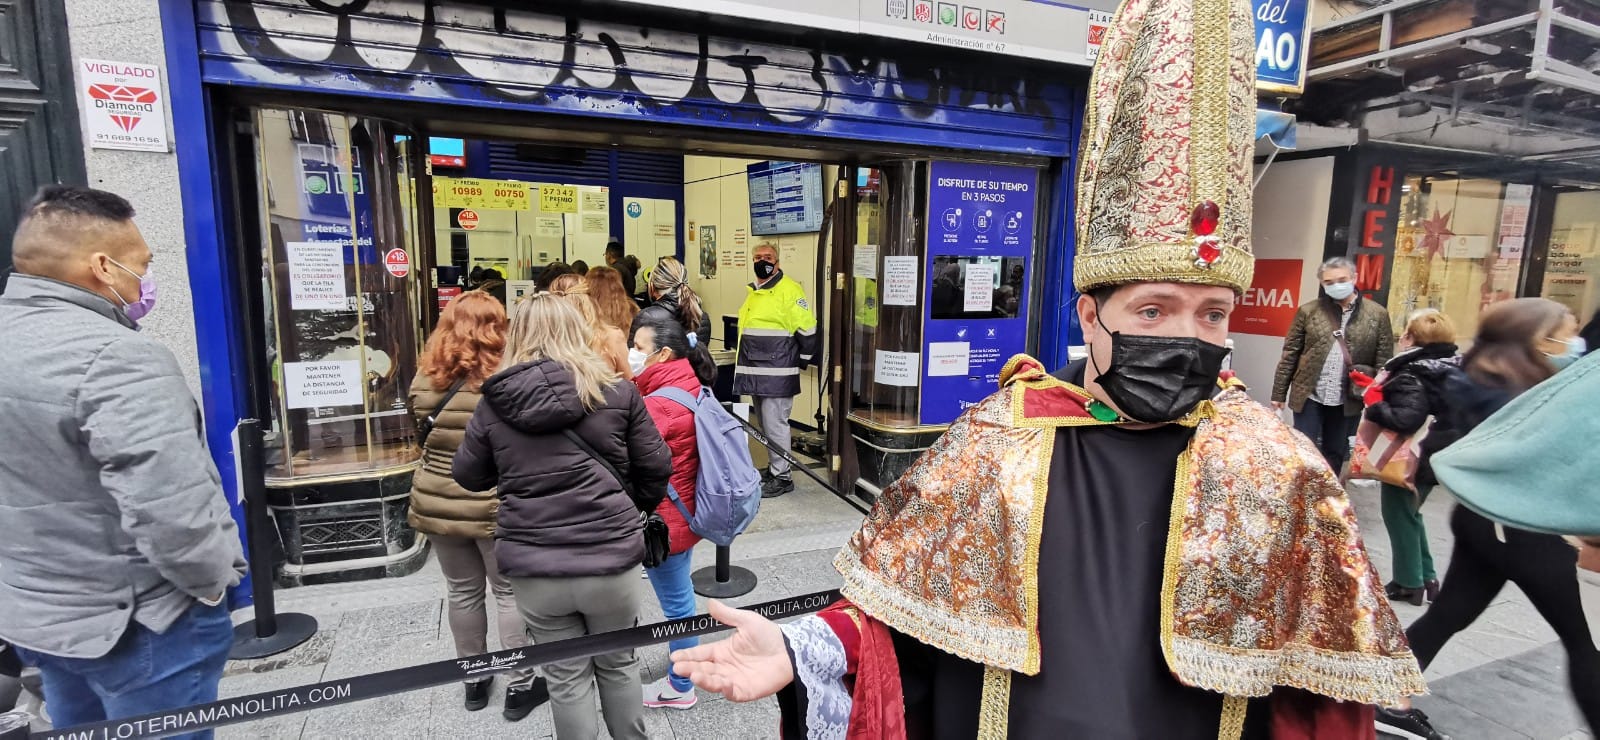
x: 147, y: 293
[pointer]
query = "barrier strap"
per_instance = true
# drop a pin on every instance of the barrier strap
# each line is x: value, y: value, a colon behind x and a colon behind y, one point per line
x: 399, y: 680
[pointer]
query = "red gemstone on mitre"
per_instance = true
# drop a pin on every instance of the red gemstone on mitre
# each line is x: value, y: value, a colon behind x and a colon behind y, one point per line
x: 1204, y: 220
x: 1208, y: 252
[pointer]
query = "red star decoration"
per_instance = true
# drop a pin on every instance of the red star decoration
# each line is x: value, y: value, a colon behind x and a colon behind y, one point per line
x: 1435, y: 231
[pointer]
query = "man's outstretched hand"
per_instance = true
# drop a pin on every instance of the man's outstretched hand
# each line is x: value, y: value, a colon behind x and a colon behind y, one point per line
x: 750, y: 665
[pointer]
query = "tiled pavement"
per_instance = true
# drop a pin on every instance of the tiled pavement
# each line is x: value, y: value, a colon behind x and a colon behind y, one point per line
x: 1502, y: 679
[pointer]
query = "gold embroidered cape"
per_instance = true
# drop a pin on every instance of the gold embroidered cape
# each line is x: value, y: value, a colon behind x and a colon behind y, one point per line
x: 1267, y: 582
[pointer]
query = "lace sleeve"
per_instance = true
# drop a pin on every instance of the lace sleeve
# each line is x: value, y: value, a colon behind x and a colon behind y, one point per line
x: 819, y: 668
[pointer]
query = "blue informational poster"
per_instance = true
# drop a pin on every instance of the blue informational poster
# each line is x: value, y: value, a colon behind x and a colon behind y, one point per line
x: 981, y: 220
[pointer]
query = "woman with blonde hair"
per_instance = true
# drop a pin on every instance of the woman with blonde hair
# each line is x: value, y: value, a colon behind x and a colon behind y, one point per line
x: 611, y: 300
x: 672, y: 298
x: 604, y: 338
x: 464, y: 350
x: 1409, y: 391
x: 574, y: 457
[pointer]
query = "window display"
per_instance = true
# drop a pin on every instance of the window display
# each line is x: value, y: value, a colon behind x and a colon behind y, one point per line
x: 1459, y: 247
x: 340, y: 276
x: 1573, y: 270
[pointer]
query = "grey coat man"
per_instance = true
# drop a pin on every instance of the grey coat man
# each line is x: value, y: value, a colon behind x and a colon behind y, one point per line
x: 114, y: 510
x: 119, y: 547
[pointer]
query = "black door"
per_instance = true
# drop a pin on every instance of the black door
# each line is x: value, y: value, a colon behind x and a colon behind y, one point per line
x: 40, y: 141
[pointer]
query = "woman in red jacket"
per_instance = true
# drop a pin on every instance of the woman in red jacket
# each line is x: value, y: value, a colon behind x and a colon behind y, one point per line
x: 662, y: 356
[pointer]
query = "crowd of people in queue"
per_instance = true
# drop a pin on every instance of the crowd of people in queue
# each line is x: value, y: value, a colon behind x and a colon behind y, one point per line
x: 544, y: 438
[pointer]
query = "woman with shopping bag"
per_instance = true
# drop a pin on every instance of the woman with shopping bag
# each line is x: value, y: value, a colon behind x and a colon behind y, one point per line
x: 1401, y: 405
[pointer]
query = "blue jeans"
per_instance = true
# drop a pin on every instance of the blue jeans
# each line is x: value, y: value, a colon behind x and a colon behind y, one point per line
x: 146, y: 672
x: 1329, y: 429
x: 675, y: 591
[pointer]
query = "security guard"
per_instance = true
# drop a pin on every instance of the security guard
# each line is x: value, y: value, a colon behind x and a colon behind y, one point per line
x: 777, y: 339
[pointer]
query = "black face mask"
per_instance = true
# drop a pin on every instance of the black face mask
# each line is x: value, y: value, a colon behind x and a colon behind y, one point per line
x: 765, y: 269
x: 1159, y: 379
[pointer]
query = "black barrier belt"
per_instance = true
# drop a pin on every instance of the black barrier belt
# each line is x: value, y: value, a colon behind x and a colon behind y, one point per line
x: 399, y: 680
x: 802, y: 467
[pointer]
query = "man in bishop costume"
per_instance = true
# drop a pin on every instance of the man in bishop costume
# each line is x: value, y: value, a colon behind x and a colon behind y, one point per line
x: 1131, y: 547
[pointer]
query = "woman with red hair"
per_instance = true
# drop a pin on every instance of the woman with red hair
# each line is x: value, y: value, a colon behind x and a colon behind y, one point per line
x: 611, y: 300
x: 464, y: 351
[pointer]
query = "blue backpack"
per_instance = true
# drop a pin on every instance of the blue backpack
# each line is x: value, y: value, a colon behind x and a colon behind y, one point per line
x: 728, y: 488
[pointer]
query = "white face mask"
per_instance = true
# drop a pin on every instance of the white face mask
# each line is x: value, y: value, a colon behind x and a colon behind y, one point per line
x: 636, y: 360
x: 1339, y: 291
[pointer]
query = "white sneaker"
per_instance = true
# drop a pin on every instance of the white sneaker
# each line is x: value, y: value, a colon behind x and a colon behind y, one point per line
x: 660, y: 694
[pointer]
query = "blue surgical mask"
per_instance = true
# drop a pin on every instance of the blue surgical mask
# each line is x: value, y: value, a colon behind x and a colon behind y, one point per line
x: 1339, y: 291
x: 1576, y: 346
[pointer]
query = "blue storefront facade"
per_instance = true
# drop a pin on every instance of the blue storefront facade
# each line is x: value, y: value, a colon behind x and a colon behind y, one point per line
x: 645, y: 78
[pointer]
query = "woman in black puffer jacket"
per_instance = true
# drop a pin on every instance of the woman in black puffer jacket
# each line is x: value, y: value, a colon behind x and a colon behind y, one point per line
x: 567, y: 532
x: 1412, y: 390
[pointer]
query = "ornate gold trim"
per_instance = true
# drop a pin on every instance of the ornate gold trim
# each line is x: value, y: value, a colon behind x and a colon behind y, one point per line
x: 930, y: 624
x: 994, y: 709
x: 1208, y: 123
x: 1156, y: 262
x: 1174, y: 555
x: 1346, y: 676
x: 1030, y: 556
x: 1233, y: 715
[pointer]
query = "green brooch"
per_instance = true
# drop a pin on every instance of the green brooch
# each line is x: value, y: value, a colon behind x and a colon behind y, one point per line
x: 1102, y: 412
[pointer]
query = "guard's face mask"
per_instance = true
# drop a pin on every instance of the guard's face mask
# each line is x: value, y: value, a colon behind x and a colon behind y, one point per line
x: 1159, y: 379
x: 765, y: 269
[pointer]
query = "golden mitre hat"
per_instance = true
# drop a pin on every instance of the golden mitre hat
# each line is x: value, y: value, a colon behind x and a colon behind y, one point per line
x: 1164, y: 174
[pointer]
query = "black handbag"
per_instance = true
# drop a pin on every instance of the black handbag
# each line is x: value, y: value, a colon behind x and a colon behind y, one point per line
x: 657, y: 544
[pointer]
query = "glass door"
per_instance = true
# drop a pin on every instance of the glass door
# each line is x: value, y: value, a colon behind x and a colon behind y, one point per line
x: 340, y: 280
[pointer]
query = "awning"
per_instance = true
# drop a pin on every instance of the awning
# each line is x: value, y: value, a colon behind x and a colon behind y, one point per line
x: 1276, y: 126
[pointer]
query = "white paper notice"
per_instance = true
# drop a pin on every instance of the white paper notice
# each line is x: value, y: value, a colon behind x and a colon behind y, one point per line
x: 948, y: 359
x: 516, y: 290
x: 866, y: 262
x: 595, y: 223
x: 899, y: 281
x: 980, y: 288
x: 549, y: 226
x: 321, y: 384
x: 124, y: 105
x: 898, y: 368
x: 316, y: 276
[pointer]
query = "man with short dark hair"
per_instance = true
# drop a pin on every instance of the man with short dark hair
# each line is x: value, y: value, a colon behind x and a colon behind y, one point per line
x: 616, y: 260
x: 119, y: 547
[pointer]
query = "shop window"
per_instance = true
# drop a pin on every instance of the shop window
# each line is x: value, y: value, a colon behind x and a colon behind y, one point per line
x: 1572, y: 271
x: 339, y: 273
x: 885, y: 297
x: 1459, y: 247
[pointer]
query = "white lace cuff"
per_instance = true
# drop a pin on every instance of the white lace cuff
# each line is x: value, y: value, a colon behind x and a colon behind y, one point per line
x: 819, y: 667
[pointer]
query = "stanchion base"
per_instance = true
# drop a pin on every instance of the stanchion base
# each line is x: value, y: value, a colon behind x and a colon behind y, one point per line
x: 293, y: 629
x: 740, y: 582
